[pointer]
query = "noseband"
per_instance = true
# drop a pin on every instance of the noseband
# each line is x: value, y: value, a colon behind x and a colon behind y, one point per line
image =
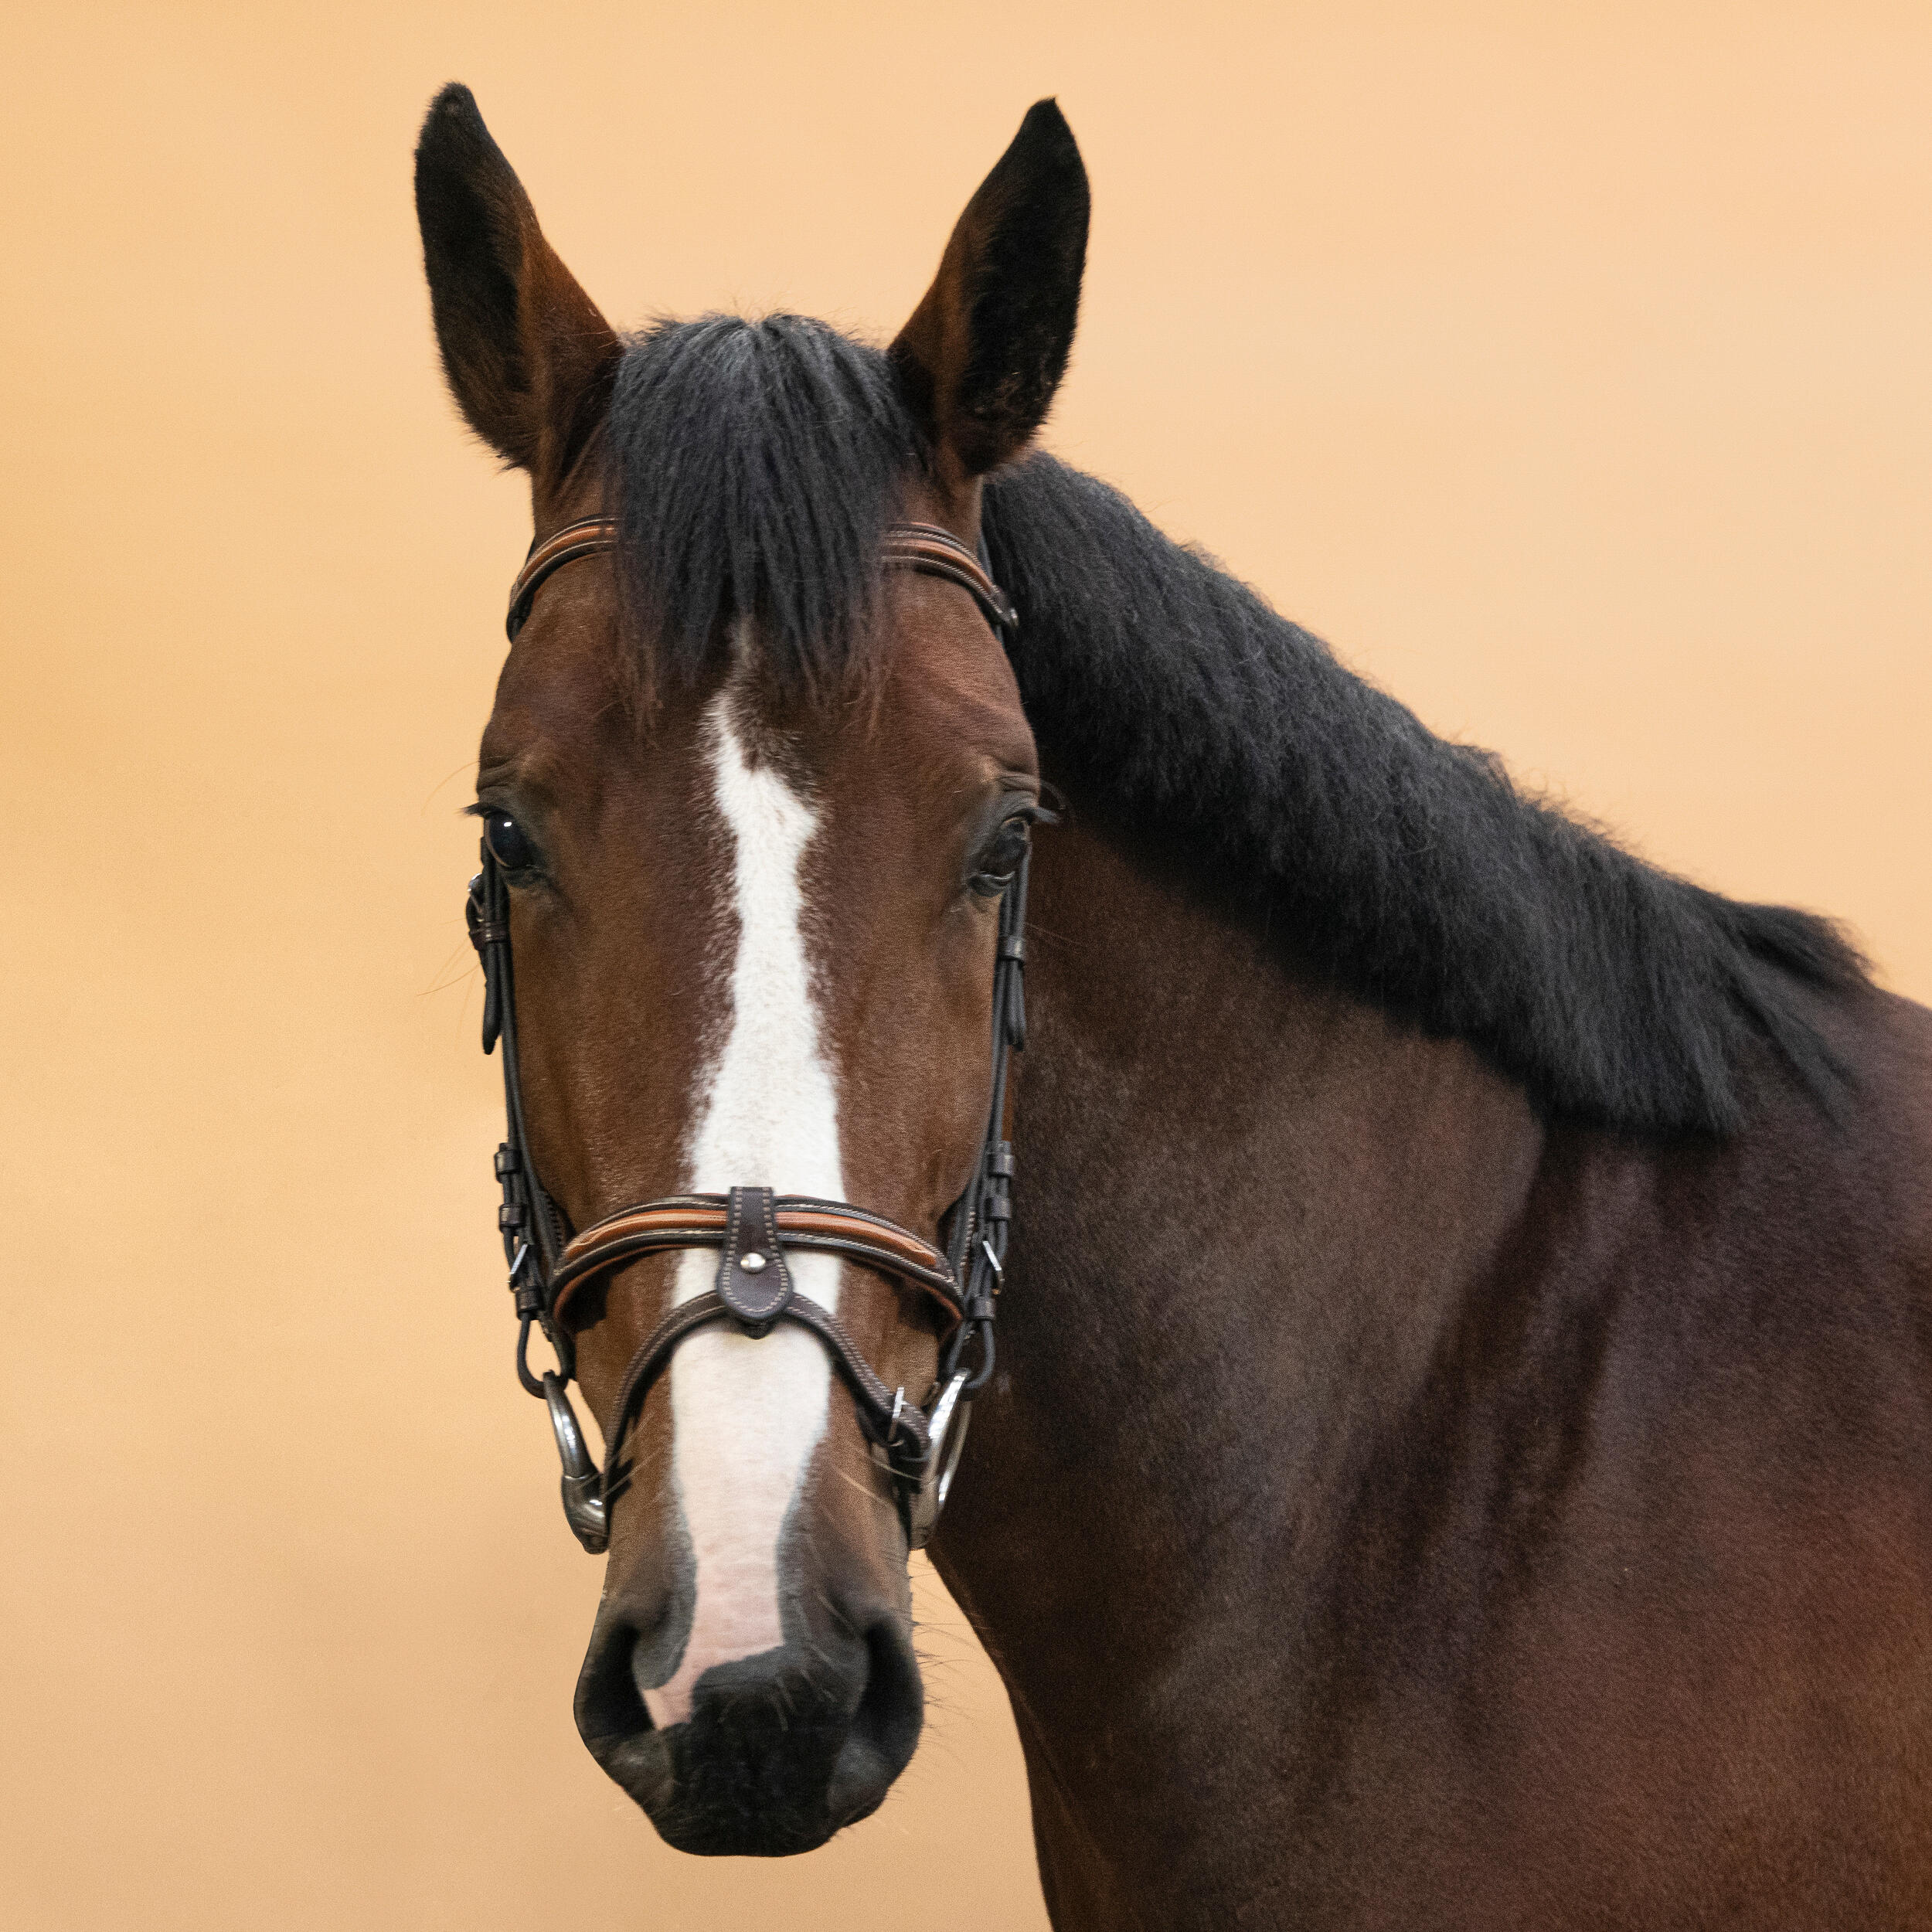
x: 754, y: 1229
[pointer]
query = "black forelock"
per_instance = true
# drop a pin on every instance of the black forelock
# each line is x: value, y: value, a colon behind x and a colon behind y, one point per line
x: 757, y: 465
x: 1408, y: 869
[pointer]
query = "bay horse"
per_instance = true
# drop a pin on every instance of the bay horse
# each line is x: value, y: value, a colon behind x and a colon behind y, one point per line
x: 1459, y: 1452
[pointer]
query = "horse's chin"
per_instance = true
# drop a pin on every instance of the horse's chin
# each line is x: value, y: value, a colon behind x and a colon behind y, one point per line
x: 640, y: 1764
x: 708, y: 1816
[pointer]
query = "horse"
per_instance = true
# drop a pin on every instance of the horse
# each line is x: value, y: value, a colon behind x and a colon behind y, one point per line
x: 1458, y: 1451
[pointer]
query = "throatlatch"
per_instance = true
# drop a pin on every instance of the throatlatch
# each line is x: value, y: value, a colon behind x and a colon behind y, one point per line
x: 752, y: 1228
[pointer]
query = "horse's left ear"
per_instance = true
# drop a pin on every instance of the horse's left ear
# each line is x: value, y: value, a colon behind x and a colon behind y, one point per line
x: 984, y: 352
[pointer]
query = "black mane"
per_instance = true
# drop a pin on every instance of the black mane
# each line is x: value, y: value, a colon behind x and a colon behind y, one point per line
x: 1409, y: 869
x: 756, y: 466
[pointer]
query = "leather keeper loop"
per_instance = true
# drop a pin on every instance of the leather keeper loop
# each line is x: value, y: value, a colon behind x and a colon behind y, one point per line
x: 753, y: 1282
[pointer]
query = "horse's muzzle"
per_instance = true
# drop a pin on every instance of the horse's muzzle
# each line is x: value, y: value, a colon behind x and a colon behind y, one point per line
x: 781, y: 1749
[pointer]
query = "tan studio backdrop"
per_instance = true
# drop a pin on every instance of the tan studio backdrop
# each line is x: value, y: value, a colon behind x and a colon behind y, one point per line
x: 1570, y: 367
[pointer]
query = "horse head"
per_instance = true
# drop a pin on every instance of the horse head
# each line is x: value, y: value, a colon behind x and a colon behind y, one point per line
x: 754, y: 803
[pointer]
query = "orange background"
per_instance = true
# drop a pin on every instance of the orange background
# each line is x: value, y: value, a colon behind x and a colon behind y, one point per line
x: 1571, y: 368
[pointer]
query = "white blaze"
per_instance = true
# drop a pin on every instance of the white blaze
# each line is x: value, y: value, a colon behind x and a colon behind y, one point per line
x: 746, y: 1415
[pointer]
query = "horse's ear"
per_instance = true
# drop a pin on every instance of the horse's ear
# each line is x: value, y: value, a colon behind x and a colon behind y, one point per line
x: 984, y: 352
x: 530, y: 360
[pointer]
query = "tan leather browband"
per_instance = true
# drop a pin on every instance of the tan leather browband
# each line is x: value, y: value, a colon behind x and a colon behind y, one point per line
x: 937, y: 553
x: 925, y: 547
x: 700, y: 1221
x: 584, y: 538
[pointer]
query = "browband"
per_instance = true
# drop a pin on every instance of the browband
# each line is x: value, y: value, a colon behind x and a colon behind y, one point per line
x: 926, y: 547
x: 907, y: 546
x: 583, y: 539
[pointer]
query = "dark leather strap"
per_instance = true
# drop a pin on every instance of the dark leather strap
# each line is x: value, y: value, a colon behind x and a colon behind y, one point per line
x: 584, y: 538
x: 702, y: 1221
x: 754, y: 1281
x: 897, y: 1425
x: 924, y: 547
x: 932, y: 552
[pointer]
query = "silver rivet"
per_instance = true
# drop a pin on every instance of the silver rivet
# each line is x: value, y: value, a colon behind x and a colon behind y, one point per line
x: 752, y: 1263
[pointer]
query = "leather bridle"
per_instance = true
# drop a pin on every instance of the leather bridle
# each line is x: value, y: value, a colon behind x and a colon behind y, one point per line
x: 751, y: 1228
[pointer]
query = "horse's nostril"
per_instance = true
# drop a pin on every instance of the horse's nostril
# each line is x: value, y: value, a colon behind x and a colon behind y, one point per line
x: 612, y: 1720
x: 885, y: 1728
x: 608, y: 1702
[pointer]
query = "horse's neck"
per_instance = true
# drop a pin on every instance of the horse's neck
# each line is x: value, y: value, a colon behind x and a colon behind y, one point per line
x: 1249, y: 1209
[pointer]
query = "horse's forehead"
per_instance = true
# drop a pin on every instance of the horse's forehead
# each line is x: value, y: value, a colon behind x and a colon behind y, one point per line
x: 938, y: 713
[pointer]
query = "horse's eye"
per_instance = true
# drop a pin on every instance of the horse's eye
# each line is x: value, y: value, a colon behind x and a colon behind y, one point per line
x: 1000, y: 860
x: 508, y: 844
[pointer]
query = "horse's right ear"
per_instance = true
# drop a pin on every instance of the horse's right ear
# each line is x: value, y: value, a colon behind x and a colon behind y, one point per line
x: 530, y: 360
